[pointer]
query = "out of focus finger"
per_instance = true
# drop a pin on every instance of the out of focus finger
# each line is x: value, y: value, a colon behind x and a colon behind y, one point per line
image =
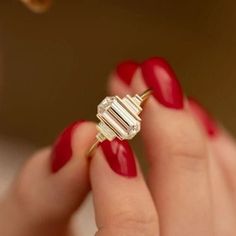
x: 38, y: 6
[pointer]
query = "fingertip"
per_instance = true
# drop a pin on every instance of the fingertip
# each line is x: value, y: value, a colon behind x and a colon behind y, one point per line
x: 116, y: 86
x: 162, y: 79
x: 119, y: 155
x: 206, y: 120
x: 62, y: 149
x: 121, y: 78
x: 38, y: 186
x: 73, y: 142
x: 126, y: 70
x: 116, y: 182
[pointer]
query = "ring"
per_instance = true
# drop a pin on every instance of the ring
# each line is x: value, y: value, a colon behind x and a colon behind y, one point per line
x: 119, y: 117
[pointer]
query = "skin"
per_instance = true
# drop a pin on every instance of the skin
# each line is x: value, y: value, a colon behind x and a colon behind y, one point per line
x: 190, y: 189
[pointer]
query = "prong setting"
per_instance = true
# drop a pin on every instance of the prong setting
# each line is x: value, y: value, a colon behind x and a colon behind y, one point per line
x: 119, y: 118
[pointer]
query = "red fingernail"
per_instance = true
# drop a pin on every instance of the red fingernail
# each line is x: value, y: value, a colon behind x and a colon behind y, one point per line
x: 160, y: 77
x: 209, y: 124
x: 120, y: 157
x: 126, y: 70
x: 62, y: 148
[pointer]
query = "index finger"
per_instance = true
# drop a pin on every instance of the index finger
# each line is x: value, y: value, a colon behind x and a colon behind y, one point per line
x: 123, y: 204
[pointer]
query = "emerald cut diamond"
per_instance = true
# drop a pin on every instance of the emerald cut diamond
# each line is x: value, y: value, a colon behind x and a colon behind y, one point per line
x: 119, y: 117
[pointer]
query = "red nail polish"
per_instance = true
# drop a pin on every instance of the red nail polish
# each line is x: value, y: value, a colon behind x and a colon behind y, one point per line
x: 126, y: 70
x: 209, y: 124
x: 160, y: 77
x: 62, y: 149
x: 120, y: 157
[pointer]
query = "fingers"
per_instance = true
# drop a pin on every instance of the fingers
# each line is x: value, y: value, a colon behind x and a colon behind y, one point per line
x: 71, y: 176
x: 223, y: 149
x: 52, y: 185
x: 222, y: 144
x: 123, y: 204
x: 222, y: 170
x: 177, y: 151
x: 126, y: 71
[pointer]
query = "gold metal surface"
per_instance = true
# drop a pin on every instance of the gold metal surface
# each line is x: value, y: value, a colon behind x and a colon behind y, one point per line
x: 145, y: 95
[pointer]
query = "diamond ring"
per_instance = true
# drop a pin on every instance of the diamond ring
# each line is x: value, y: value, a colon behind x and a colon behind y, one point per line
x: 119, y: 117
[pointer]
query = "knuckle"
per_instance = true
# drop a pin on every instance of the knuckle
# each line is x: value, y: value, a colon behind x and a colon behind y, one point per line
x: 190, y: 155
x: 187, y: 140
x: 183, y: 144
x: 127, y: 223
x: 189, y: 146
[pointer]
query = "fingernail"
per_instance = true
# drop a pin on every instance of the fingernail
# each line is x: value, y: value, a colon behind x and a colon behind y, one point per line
x: 204, y: 117
x: 62, y: 148
x: 126, y: 70
x: 160, y: 77
x: 120, y: 157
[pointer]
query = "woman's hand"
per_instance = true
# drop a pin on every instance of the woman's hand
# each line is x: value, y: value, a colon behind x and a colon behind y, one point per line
x: 190, y: 187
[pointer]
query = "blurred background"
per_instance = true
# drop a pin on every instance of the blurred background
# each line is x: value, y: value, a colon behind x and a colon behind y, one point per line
x: 54, y: 66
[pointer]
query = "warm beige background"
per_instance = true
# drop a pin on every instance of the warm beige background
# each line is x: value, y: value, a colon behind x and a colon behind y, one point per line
x: 55, y: 65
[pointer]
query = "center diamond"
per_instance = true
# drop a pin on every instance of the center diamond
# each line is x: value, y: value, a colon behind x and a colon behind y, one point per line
x: 119, y: 117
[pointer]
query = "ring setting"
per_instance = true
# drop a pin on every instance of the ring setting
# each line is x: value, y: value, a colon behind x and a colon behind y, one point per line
x: 119, y: 117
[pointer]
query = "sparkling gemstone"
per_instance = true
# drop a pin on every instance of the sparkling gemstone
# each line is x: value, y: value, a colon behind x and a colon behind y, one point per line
x: 119, y: 117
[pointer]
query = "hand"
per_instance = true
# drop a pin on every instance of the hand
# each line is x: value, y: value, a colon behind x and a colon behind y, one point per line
x: 190, y: 187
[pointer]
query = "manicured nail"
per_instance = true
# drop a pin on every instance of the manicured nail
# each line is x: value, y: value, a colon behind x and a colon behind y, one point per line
x: 62, y: 148
x: 204, y: 117
x: 160, y: 77
x: 120, y: 157
x: 126, y: 70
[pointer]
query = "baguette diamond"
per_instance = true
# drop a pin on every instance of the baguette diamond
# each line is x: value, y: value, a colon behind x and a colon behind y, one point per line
x: 119, y: 117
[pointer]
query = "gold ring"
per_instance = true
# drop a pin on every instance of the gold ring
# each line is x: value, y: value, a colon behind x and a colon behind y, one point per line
x: 119, y: 117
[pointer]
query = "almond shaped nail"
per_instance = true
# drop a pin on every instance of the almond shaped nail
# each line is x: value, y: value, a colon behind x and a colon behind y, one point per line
x: 203, y: 116
x: 62, y: 148
x: 161, y: 78
x: 120, y: 157
x: 125, y: 71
